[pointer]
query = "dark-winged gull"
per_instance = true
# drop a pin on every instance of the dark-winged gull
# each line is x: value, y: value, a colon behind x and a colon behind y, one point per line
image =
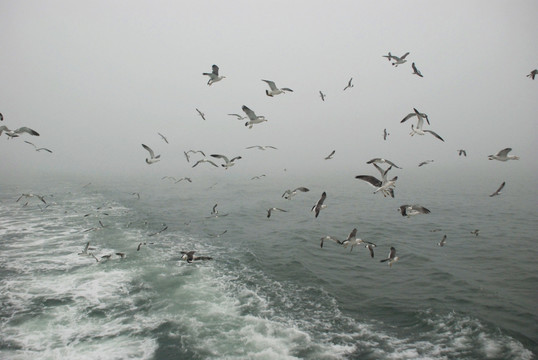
x: 462, y: 152
x: 352, y: 240
x: 38, y: 149
x: 415, y: 70
x: 385, y: 134
x: 253, y: 118
x: 183, y: 178
x: 202, y: 115
x: 213, y: 75
x: 503, y: 155
x: 498, y: 191
x: 410, y: 210
x: 40, y: 197
x: 165, y: 227
x: 425, y: 162
x: 322, y: 96
x: 349, y: 84
x: 330, y: 156
x: 319, y: 205
x: 417, y: 114
x: 533, y: 74
x: 189, y: 256
x: 384, y: 185
x: 370, y: 247
x: 163, y: 137
x: 227, y: 162
x: 269, y: 211
x: 399, y: 60
x: 288, y: 194
x: 86, y: 249
x: 391, y: 258
x: 205, y: 161
x: 257, y: 177
x: 152, y: 158
x: 418, y: 130
x: 16, y: 132
x: 274, y: 90
x: 443, y: 241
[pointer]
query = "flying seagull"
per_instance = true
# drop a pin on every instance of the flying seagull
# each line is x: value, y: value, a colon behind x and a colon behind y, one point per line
x: 205, y: 161
x: 227, y: 163
x: 253, y: 118
x: 498, y: 191
x: 200, y: 113
x: 425, y: 162
x: 189, y: 256
x: 274, y: 90
x: 239, y: 117
x: 382, y: 161
x: 319, y: 205
x: 330, y: 156
x: 533, y: 74
x: 391, y: 258
x: 152, y: 158
x: 503, y: 155
x: 288, y: 194
x: 214, y: 75
x: 1, y: 117
x: 443, y: 241
x: 418, y: 130
x: 399, y: 60
x: 417, y: 114
x: 40, y: 197
x: 269, y: 211
x: 322, y: 96
x: 410, y: 210
x: 217, y: 235
x: 86, y: 248
x: 475, y: 232
x: 349, y: 84
x: 160, y: 231
x: 164, y: 137
x: 383, y: 185
x: 352, y: 240
x: 416, y: 71
x: 370, y: 248
x: 38, y: 149
x: 462, y: 152
x: 329, y: 238
x: 385, y: 134
x: 262, y: 147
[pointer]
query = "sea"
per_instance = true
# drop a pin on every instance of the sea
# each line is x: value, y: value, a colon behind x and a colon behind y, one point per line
x: 269, y: 291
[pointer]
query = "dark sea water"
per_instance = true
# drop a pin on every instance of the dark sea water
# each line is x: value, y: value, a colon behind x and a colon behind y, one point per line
x: 270, y: 291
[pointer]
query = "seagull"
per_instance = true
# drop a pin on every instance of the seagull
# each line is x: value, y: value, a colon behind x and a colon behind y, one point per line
x: 385, y: 134
x: 152, y: 159
x: 330, y: 238
x: 410, y: 210
x: 193, y: 152
x: 215, y: 212
x: 239, y: 117
x: 137, y: 194
x: 205, y: 161
x: 475, y: 232
x: 498, y: 191
x: 417, y: 114
x: 15, y: 133
x: 322, y: 96
x: 319, y: 205
x: 382, y: 161
x: 330, y: 156
x: 274, y: 90
x: 399, y: 60
x: 383, y: 185
x: 416, y: 71
x: 169, y: 177
x: 257, y: 177
x: 184, y: 178
x: 160, y: 231
x: 392, y: 258
x: 349, y: 84
x: 418, y: 130
x: 461, y: 152
x: 443, y: 241
x: 86, y: 248
x: 262, y: 147
x: 532, y: 74
x: 425, y: 162
x: 370, y: 248
x: 274, y: 209
x: 164, y: 138
x: 214, y: 75
x: 143, y: 243
x: 40, y: 197
x: 228, y: 163
x: 288, y: 194
x: 200, y: 113
x: 38, y: 149
x: 189, y: 256
x: 254, y: 119
x: 503, y: 155
x: 352, y: 239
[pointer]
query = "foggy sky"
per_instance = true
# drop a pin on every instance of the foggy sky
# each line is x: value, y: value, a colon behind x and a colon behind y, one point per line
x: 97, y: 79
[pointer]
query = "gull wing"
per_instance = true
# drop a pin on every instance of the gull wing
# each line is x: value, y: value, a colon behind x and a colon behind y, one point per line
x: 504, y: 152
x: 434, y: 134
x: 151, y: 153
x: 372, y: 180
x: 498, y: 191
x: 251, y: 115
x: 215, y: 69
x: 271, y: 84
x: 26, y: 130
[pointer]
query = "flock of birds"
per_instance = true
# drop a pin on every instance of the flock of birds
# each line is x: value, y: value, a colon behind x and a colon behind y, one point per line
x: 384, y: 185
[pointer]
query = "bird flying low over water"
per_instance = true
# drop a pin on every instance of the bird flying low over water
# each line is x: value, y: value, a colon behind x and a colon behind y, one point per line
x: 189, y: 256
x: 214, y: 75
x: 418, y: 130
x: 274, y: 90
x: 288, y: 194
x: 329, y: 238
x: 410, y: 210
x: 152, y: 158
x: 503, y: 155
x: 533, y: 74
x: 498, y: 191
x: 262, y: 147
x: 269, y: 211
x: 349, y: 84
x: 391, y: 258
x: 475, y: 232
x: 319, y: 205
x: 384, y: 185
x: 253, y: 118
x: 205, y: 161
x: 227, y: 163
x: 415, y: 70
x: 443, y: 241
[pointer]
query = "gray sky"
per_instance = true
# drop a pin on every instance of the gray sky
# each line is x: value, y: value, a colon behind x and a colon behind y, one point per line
x: 98, y: 78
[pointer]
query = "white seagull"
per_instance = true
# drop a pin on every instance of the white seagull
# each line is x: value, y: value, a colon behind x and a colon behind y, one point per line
x: 329, y: 238
x: 416, y: 71
x: 319, y: 205
x: 425, y: 162
x: 383, y: 185
x: 391, y: 258
x: 274, y: 90
x: 503, y: 155
x: 16, y: 132
x: 349, y: 84
x: 352, y: 240
x: 152, y: 158
x: 418, y: 130
x: 288, y: 194
x: 38, y: 149
x: 189, y: 256
x: 498, y: 191
x: 192, y: 152
x: 253, y: 118
x: 227, y: 162
x: 269, y: 211
x: 410, y: 210
x: 214, y: 75
x: 417, y: 114
x: 462, y: 152
x: 399, y: 60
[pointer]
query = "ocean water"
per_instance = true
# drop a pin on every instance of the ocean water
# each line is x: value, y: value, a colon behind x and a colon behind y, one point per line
x: 270, y: 291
